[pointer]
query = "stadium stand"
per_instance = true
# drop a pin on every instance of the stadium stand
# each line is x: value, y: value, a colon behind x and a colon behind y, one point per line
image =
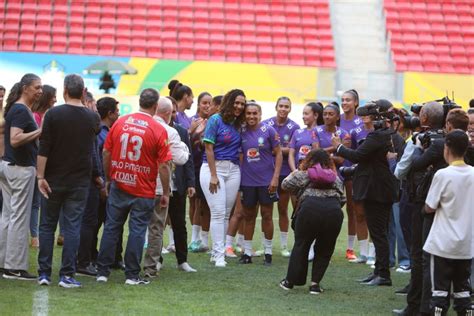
x: 431, y: 35
x: 269, y: 32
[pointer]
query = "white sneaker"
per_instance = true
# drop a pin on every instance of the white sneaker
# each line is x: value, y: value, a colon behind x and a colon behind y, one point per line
x: 101, y: 279
x: 220, y: 262
x: 404, y: 269
x: 285, y: 252
x: 171, y: 248
x: 164, y: 251
x: 137, y: 281
x: 186, y: 267
x: 370, y: 261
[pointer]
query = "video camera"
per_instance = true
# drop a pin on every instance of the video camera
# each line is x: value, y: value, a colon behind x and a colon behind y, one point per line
x: 347, y: 172
x: 412, y: 122
x: 380, y: 115
x: 426, y: 138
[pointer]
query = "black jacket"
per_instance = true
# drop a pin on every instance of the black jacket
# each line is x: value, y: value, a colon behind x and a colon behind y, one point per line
x: 372, y: 177
x: 184, y: 175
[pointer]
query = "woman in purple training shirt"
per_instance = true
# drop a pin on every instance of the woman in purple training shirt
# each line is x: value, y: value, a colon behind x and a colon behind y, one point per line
x: 260, y: 166
x: 304, y: 139
x: 184, y: 96
x: 349, y: 121
x: 285, y: 128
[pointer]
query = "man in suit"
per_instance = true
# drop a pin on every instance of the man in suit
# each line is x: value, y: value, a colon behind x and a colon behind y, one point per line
x: 375, y: 186
x: 183, y: 184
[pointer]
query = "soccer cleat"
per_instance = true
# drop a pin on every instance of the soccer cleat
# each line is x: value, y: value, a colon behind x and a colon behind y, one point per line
x: 44, y: 279
x: 102, y: 279
x: 68, y: 282
x: 220, y: 262
x: 229, y: 252
x: 285, y: 252
x: 350, y: 255
x: 195, y: 246
x: 315, y: 289
x: 186, y: 267
x: 284, y: 284
x: 18, y: 275
x: 137, y: 281
x: 370, y: 261
x: 267, y: 261
x: 361, y: 259
x: 245, y: 259
x: 404, y: 269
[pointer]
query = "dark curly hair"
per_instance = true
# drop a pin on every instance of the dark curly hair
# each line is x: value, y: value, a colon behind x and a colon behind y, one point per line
x: 316, y: 156
x: 227, y: 108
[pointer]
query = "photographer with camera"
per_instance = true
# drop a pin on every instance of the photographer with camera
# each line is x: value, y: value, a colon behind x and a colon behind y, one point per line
x: 374, y: 184
x: 427, y: 158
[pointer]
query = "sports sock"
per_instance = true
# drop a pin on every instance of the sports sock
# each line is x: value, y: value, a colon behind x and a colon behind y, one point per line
x: 350, y: 241
x: 248, y: 247
x: 363, y: 247
x: 267, y: 246
x: 170, y: 237
x: 195, y: 233
x: 204, y: 238
x: 228, y: 241
x: 284, y: 239
x: 371, y: 250
x: 240, y: 240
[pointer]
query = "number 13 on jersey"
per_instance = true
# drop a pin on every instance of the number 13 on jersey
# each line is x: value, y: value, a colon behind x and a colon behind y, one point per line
x: 136, y: 142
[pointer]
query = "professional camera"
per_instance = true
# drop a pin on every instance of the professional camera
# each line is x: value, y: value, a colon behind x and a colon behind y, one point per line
x: 381, y: 116
x: 416, y: 108
x: 426, y: 138
x: 347, y: 172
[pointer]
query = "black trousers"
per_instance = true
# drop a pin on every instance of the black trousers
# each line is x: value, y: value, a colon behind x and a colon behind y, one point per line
x: 406, y: 213
x: 419, y: 293
x: 444, y: 272
x: 101, y: 215
x: 378, y: 217
x: 320, y: 219
x: 177, y: 214
x: 88, y: 227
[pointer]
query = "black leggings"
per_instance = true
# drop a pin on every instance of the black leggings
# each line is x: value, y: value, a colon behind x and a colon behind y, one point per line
x: 320, y: 219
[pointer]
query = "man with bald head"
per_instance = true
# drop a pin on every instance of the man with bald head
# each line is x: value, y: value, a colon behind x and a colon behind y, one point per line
x: 180, y: 155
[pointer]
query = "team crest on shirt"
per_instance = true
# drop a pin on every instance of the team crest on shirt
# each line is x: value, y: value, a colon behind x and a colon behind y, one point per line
x: 286, y: 137
x: 253, y: 154
x: 357, y: 121
x: 289, y: 125
x: 260, y: 141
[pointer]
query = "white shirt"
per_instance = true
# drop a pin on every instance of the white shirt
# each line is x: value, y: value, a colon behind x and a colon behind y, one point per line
x: 179, y: 152
x: 452, y: 196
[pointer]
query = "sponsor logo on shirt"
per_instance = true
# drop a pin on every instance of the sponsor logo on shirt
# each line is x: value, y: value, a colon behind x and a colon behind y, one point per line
x: 137, y: 122
x: 134, y: 129
x: 304, y: 150
x: 253, y: 155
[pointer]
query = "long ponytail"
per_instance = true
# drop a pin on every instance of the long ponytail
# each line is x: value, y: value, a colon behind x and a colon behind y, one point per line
x: 17, y: 90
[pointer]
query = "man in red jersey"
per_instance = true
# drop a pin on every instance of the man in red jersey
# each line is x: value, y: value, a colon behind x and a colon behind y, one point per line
x: 135, y: 152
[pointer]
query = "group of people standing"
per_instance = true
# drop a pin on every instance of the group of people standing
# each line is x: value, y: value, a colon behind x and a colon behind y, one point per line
x: 83, y: 165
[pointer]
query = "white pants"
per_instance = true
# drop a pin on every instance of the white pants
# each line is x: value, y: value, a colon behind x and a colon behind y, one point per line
x: 221, y: 202
x: 18, y: 184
